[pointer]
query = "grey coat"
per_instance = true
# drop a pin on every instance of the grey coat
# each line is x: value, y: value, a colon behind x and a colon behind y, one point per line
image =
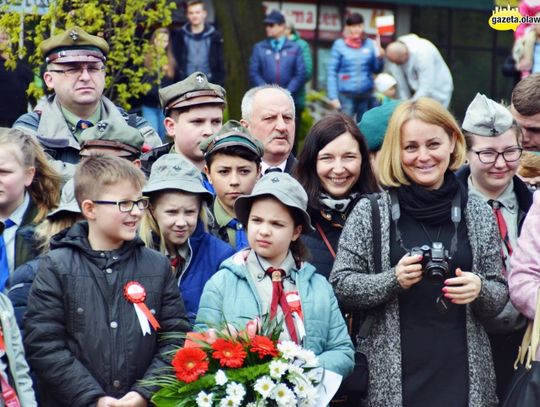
x: 357, y: 288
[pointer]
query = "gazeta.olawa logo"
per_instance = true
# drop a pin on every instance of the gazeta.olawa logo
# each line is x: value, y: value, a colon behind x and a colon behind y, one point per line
x: 508, y: 18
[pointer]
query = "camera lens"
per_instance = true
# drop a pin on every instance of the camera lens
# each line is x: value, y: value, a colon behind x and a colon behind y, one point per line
x: 437, y: 272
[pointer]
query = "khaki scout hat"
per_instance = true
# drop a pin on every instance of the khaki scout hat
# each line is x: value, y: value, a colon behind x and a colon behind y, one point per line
x: 115, y: 134
x: 231, y: 134
x: 194, y: 90
x: 172, y: 171
x: 485, y: 117
x: 285, y: 189
x: 74, y: 45
x: 68, y: 203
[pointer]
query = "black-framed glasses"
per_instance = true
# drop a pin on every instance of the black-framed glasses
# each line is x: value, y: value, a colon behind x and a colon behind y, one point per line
x: 127, y: 205
x: 76, y: 72
x: 490, y: 156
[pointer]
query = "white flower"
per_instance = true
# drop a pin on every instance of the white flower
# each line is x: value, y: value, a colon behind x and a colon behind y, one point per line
x: 221, y: 378
x: 264, y: 386
x: 277, y: 369
x: 295, y: 370
x: 283, y: 395
x: 229, y: 401
x: 236, y: 391
x: 289, y: 349
x: 204, y: 400
x: 309, y: 357
x: 314, y: 375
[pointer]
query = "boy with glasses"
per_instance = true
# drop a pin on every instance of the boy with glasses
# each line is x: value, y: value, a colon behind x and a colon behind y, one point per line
x: 493, y: 152
x: 76, y: 72
x: 99, y: 306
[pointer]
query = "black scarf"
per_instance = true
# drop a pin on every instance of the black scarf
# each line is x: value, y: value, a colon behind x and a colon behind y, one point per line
x: 431, y: 206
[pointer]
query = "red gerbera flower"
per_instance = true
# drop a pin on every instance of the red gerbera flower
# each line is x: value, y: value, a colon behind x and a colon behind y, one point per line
x: 189, y: 364
x: 263, y: 346
x: 229, y: 354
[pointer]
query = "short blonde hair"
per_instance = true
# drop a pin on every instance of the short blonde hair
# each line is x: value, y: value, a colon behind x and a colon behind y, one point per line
x: 390, y: 169
x: 95, y: 173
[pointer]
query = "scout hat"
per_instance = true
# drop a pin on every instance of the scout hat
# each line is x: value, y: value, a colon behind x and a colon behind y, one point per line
x: 172, y: 171
x: 484, y: 117
x: 231, y: 134
x: 374, y: 123
x: 281, y: 186
x: 116, y: 134
x: 194, y: 90
x: 68, y: 203
x: 74, y: 45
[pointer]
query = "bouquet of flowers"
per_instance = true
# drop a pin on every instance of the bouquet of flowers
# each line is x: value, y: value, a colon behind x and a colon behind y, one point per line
x: 231, y: 367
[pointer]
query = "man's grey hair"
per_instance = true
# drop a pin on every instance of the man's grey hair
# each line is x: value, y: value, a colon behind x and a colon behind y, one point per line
x: 247, y: 100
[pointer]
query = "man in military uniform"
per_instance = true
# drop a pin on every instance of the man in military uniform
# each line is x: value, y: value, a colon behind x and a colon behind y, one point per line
x: 193, y: 112
x: 76, y: 72
x: 112, y: 138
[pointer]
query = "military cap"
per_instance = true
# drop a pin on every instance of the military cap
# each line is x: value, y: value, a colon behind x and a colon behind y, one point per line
x: 74, y: 45
x: 231, y: 134
x: 485, y: 117
x: 115, y: 134
x: 285, y: 189
x: 194, y: 90
x: 172, y: 171
x: 68, y: 203
x: 374, y: 123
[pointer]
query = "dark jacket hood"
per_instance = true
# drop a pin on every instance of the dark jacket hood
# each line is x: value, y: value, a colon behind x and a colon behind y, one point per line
x: 208, y: 31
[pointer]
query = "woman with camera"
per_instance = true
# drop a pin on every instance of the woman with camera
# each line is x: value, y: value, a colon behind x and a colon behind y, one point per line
x: 334, y: 168
x: 440, y: 255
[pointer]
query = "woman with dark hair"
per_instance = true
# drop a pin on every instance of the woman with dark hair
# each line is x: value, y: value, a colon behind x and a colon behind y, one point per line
x: 334, y: 169
x: 353, y: 61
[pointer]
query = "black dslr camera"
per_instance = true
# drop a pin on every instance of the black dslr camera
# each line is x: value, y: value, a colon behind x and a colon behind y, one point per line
x: 434, y: 261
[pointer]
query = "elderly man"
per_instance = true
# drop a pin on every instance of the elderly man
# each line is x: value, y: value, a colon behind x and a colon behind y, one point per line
x: 419, y: 69
x: 526, y: 110
x: 268, y: 112
x: 76, y: 72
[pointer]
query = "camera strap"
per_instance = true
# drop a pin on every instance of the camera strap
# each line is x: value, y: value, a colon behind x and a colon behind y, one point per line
x: 455, y: 215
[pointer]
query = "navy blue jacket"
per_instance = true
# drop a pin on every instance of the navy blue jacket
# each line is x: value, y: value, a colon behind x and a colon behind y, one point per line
x: 285, y: 68
x: 207, y: 253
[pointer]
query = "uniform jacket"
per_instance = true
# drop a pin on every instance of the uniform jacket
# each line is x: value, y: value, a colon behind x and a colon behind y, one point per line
x: 25, y: 241
x: 357, y: 288
x: 216, y: 60
x: 18, y: 368
x: 350, y: 70
x: 206, y: 254
x: 285, y: 68
x: 524, y: 279
x: 83, y: 338
x: 425, y: 74
x: 48, y: 124
x: 231, y: 293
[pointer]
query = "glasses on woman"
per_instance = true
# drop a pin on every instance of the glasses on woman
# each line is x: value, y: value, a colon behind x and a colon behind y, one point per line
x: 127, y: 205
x: 490, y: 156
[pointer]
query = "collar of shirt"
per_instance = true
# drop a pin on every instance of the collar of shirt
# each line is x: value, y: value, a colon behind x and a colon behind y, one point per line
x: 72, y: 119
x: 9, y: 234
x: 277, y: 44
x: 507, y: 199
x: 265, y: 166
x: 18, y: 214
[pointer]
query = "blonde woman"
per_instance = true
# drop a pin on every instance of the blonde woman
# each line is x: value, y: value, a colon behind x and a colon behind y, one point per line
x: 440, y: 270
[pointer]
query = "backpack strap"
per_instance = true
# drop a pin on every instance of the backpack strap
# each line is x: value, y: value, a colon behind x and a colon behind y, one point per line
x: 132, y: 120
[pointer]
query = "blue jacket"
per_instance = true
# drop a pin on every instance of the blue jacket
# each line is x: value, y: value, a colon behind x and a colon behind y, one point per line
x: 285, y: 68
x: 350, y: 70
x: 231, y: 294
x: 207, y: 253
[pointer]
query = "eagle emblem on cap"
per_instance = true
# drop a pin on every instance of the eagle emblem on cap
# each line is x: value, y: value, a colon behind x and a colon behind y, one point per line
x: 101, y: 126
x: 74, y: 35
x: 275, y: 179
x: 199, y: 79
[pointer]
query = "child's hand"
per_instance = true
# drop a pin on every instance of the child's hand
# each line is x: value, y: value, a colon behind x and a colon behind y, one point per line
x: 105, y: 401
x: 131, y: 399
x: 462, y: 289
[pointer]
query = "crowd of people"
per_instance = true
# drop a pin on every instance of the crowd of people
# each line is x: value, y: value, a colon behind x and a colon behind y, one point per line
x: 395, y: 214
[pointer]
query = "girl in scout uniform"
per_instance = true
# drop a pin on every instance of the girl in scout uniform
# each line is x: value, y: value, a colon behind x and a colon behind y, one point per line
x: 271, y: 277
x: 175, y: 224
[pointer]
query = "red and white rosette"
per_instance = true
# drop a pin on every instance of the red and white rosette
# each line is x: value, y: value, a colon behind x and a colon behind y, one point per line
x: 135, y: 293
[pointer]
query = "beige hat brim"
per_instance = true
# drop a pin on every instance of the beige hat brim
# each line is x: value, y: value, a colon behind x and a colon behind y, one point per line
x: 201, y: 100
x: 181, y: 185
